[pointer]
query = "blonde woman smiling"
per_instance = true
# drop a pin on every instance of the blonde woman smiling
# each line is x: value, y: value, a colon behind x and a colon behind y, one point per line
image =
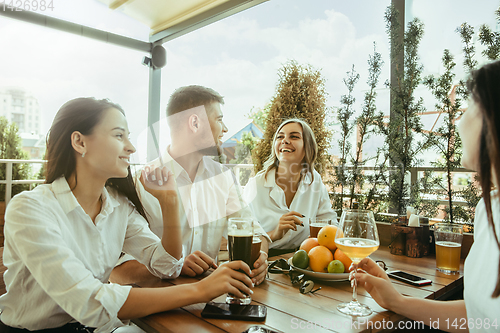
x: 288, y: 191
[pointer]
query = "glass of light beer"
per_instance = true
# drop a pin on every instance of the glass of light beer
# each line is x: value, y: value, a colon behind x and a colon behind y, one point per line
x: 315, y: 226
x: 448, y: 246
x: 239, y: 243
x: 357, y: 237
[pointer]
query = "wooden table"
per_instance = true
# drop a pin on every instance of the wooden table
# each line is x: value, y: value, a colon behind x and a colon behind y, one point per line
x: 288, y: 310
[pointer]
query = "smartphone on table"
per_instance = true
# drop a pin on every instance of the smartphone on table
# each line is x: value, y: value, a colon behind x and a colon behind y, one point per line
x: 234, y: 311
x: 409, y: 278
x: 259, y: 329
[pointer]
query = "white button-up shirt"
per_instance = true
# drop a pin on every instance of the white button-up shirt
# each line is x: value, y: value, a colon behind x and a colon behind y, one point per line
x: 58, y: 261
x: 481, y: 271
x: 268, y: 203
x: 207, y: 202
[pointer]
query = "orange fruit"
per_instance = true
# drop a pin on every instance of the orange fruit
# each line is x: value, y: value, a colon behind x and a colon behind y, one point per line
x: 319, y: 258
x: 326, y: 237
x: 342, y: 257
x: 308, y: 244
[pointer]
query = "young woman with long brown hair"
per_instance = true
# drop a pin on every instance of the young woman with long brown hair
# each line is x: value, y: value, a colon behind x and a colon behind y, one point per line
x: 479, y: 311
x: 63, y: 239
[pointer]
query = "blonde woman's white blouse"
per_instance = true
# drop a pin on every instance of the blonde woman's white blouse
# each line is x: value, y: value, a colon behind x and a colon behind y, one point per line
x: 58, y: 261
x: 268, y: 203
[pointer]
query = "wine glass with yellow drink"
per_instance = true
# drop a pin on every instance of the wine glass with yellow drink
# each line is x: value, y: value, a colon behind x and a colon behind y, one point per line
x: 357, y: 237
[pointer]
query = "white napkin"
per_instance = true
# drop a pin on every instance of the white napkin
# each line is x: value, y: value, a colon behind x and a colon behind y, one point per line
x: 414, y: 221
x: 409, y: 211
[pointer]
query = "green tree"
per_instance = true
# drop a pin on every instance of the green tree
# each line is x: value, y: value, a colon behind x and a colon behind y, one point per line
x: 490, y: 39
x: 344, y: 114
x: 11, y: 148
x: 243, y: 154
x: 300, y: 93
x: 427, y: 184
x: 366, y: 123
x: 405, y: 122
x: 471, y: 194
x: 445, y: 140
x: 376, y: 196
x: 348, y: 173
x: 259, y: 116
x: 466, y: 32
x: 41, y: 172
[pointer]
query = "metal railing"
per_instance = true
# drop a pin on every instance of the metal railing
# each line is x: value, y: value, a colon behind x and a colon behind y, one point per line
x: 8, y: 176
x: 413, y: 176
x: 237, y: 167
x: 9, y: 182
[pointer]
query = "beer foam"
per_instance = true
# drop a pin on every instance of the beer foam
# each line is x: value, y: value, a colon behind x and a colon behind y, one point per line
x: 448, y: 244
x: 239, y: 232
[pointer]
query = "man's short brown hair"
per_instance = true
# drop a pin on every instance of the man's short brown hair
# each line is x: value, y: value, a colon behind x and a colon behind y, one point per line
x: 188, y: 97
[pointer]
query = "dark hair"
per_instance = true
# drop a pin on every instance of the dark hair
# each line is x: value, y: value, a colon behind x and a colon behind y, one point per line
x: 82, y: 115
x: 188, y: 97
x: 484, y: 86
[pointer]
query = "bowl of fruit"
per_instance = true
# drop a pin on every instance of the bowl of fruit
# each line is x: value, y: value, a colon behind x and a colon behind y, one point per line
x: 319, y: 257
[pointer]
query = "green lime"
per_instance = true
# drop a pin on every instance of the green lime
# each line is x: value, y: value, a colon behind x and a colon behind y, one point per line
x: 300, y: 259
x: 335, y: 266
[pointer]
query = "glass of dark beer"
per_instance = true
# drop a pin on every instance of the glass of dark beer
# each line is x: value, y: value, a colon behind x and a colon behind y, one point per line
x: 256, y: 243
x: 239, y: 241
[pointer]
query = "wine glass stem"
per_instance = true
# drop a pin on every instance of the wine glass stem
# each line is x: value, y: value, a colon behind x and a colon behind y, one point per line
x: 355, y: 286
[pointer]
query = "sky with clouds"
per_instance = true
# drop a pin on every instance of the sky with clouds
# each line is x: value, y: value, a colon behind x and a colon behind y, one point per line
x: 238, y: 56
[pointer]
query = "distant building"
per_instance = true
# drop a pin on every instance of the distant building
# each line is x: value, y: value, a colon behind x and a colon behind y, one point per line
x: 22, y: 108
x: 34, y: 145
x: 229, y: 145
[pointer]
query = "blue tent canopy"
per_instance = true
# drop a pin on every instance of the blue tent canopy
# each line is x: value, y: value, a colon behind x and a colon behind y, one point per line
x: 251, y: 127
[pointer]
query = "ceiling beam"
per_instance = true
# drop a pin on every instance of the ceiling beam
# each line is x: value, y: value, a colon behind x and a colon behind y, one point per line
x: 77, y: 29
x: 212, y: 15
x: 117, y: 3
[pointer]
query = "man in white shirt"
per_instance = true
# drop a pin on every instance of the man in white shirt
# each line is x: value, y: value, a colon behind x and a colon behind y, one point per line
x: 209, y: 192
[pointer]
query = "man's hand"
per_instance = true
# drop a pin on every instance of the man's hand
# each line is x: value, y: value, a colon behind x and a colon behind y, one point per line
x: 197, y: 263
x: 260, y: 269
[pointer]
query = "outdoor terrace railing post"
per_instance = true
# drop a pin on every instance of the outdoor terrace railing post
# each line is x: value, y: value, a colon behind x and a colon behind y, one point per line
x: 9, y: 182
x: 8, y: 185
x: 154, y: 113
x: 414, y: 176
x: 237, y: 172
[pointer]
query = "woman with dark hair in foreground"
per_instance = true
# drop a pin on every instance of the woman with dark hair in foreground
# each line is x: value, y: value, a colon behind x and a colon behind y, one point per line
x: 480, y: 309
x: 63, y: 239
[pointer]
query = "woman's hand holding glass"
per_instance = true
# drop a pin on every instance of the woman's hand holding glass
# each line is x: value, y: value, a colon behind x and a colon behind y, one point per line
x: 259, y: 269
x: 233, y: 277
x: 357, y: 237
x: 376, y: 282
